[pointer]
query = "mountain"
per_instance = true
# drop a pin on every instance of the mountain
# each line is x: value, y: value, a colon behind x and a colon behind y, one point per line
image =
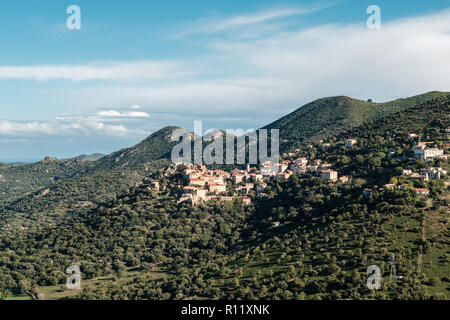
x: 329, y: 116
x: 17, y: 164
x: 89, y: 157
x: 141, y: 244
x: 157, y: 146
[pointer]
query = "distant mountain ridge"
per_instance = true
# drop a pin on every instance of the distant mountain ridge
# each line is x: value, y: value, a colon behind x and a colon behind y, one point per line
x: 89, y: 157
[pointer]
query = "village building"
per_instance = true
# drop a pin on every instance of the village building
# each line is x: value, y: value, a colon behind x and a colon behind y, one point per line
x: 277, y: 224
x: 200, y: 192
x: 422, y: 191
x: 237, y: 178
x: 343, y: 179
x: 416, y: 176
x: 422, y: 145
x: 154, y: 185
x: 266, y: 169
x: 224, y: 174
x: 185, y: 198
x: 406, y: 172
x: 256, y: 177
x: 349, y: 143
x: 213, y: 179
x: 367, y: 192
x: 245, y: 189
x: 188, y: 190
x: 430, y: 153
x: 299, y: 170
x: 263, y: 195
x: 325, y: 146
x: 329, y: 175
x: 283, y: 175
x: 246, y: 201
x: 261, y: 187
x: 200, y: 167
x: 217, y: 188
x: 211, y: 198
x: 301, y: 162
x: 279, y: 167
x: 433, y: 173
x: 189, y: 198
x: 197, y: 182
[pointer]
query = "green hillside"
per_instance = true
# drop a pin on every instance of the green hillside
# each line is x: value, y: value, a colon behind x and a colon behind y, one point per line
x: 143, y: 245
x: 17, y: 182
x: 156, y: 146
x: 56, y: 201
x: 329, y: 116
x: 33, y: 194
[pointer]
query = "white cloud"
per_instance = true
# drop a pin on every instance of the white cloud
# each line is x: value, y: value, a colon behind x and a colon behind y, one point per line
x: 283, y: 70
x: 114, y: 113
x: 60, y: 128
x: 109, y: 113
x: 211, y: 25
x: 137, y: 114
x: 97, y: 71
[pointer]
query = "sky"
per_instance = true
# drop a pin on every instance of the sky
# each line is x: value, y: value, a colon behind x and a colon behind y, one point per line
x: 136, y: 66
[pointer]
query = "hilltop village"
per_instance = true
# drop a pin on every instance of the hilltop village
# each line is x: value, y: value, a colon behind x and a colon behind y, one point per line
x: 202, y: 184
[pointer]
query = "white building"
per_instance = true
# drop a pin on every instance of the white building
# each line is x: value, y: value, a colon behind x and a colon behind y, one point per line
x: 427, y: 153
x: 329, y: 175
x: 433, y: 173
x: 349, y: 143
x: 301, y: 162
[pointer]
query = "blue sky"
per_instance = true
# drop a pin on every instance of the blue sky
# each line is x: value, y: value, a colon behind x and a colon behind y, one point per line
x: 137, y: 66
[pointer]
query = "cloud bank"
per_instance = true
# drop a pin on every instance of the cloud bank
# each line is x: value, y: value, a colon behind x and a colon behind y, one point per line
x: 96, y: 71
x: 106, y: 123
